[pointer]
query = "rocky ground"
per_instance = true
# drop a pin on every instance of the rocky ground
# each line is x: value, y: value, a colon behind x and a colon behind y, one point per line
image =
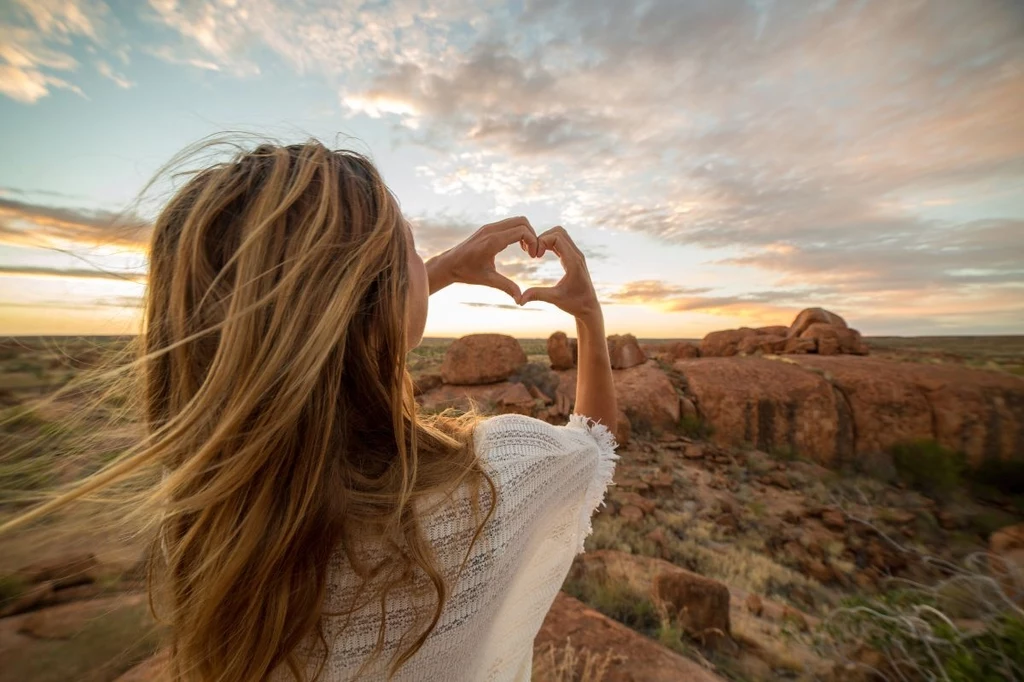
x: 768, y: 513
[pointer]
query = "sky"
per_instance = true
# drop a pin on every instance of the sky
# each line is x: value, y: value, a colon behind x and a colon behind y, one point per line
x: 722, y: 163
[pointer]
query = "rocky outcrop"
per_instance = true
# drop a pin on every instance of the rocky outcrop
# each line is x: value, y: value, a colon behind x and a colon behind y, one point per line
x: 645, y: 395
x: 632, y: 657
x: 625, y: 352
x: 481, y: 359
x: 769, y: 404
x: 562, y: 351
x: 698, y: 604
x: 832, y: 409
x: 814, y: 330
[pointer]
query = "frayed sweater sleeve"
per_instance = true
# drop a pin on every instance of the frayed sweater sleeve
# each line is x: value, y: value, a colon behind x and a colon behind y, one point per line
x: 604, y: 447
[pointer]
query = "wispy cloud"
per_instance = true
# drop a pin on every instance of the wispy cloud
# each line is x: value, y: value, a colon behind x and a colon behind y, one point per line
x: 71, y: 273
x: 28, y: 224
x: 499, y: 306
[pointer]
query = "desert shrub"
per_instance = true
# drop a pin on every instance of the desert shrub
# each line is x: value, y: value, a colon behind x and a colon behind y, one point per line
x: 918, y: 634
x: 695, y: 427
x: 927, y: 466
x: 569, y: 664
x: 617, y: 601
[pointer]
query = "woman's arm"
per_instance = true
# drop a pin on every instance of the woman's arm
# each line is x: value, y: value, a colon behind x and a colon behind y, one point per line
x: 574, y: 293
x: 472, y: 261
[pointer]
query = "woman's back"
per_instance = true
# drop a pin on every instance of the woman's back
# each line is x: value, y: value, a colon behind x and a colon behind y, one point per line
x: 549, y: 480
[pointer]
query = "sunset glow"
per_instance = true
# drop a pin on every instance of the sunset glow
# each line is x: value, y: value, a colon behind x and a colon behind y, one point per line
x: 721, y: 163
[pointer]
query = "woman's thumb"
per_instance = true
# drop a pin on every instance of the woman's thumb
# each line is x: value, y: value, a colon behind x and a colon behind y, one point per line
x: 545, y: 294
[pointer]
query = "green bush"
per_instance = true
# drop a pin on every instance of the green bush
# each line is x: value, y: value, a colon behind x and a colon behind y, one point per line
x: 695, y: 427
x: 618, y: 602
x: 927, y: 466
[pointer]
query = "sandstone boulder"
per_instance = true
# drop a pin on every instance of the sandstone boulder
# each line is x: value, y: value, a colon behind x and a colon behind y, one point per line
x: 648, y: 398
x: 814, y: 316
x: 797, y: 346
x: 775, y: 330
x: 885, y: 405
x: 725, y: 343
x: 825, y: 336
x: 625, y: 352
x: 682, y: 350
x: 484, y: 397
x: 562, y: 351
x: 481, y: 359
x: 762, y: 343
x: 425, y: 382
x: 632, y: 657
x: 770, y: 404
x: 515, y: 399
x: 700, y: 605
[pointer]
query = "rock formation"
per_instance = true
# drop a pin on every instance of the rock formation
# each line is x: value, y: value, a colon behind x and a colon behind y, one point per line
x: 814, y: 330
x: 481, y: 359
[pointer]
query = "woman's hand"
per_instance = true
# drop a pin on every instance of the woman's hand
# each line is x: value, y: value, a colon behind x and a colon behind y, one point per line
x: 472, y: 261
x: 574, y: 293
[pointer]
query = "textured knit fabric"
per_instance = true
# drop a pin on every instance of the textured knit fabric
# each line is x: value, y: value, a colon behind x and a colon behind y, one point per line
x: 550, y: 479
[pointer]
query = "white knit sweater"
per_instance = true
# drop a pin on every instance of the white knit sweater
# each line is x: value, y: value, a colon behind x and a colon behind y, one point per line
x: 550, y: 479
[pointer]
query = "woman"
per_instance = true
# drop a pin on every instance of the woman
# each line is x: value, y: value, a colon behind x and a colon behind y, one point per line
x: 312, y: 525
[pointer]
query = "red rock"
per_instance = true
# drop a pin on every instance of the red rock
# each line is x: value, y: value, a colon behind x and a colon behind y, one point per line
x: 767, y: 403
x: 795, y: 618
x: 625, y: 352
x: 633, y: 657
x: 699, y: 604
x: 66, y: 620
x: 851, y: 343
x: 648, y: 398
x: 762, y: 343
x: 754, y: 604
x: 425, y: 382
x: 562, y: 351
x: 64, y: 571
x: 777, y: 330
x: 640, y: 502
x: 833, y: 519
x: 631, y: 513
x: 485, y: 397
x: 886, y: 407
x: 1007, y: 539
x: 825, y: 336
x: 797, y: 346
x: 724, y: 343
x: 814, y: 316
x: 481, y: 359
x: 687, y: 409
x: 515, y: 399
x: 681, y: 350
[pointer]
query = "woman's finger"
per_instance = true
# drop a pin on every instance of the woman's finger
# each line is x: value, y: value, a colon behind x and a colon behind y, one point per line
x: 502, y: 225
x: 502, y: 283
x: 517, y: 233
x: 544, y: 294
x: 557, y: 242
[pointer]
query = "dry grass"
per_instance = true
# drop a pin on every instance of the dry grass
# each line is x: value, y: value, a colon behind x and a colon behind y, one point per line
x: 569, y: 664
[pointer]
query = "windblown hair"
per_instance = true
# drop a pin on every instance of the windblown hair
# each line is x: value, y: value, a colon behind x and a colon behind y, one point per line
x: 278, y: 407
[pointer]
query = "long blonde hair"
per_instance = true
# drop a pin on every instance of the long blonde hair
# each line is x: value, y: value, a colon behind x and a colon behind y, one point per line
x: 278, y: 406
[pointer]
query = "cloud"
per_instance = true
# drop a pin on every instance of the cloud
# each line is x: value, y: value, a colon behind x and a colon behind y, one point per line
x: 69, y: 273
x: 499, y: 306
x: 36, y: 38
x: 107, y: 71
x: 28, y: 224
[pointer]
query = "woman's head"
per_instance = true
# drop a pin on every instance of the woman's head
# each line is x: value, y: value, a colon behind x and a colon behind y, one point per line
x: 284, y: 292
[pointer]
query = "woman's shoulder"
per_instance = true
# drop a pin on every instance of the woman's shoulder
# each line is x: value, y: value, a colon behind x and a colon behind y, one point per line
x: 516, y: 435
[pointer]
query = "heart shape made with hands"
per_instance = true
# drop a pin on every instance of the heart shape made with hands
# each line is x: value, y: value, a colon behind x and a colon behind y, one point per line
x: 572, y: 291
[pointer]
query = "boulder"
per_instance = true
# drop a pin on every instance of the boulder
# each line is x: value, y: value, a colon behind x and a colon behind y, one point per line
x: 771, y: 405
x: 631, y: 656
x: 797, y: 346
x: 67, y: 620
x: 64, y: 571
x: 762, y: 343
x: 825, y: 336
x: 886, y: 406
x: 682, y: 350
x: 648, y: 398
x: 814, y: 316
x: 776, y: 330
x: 562, y: 351
x: 625, y: 352
x: 724, y: 344
x: 481, y: 359
x: 484, y: 398
x: 515, y: 399
x: 425, y: 382
x: 699, y: 604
